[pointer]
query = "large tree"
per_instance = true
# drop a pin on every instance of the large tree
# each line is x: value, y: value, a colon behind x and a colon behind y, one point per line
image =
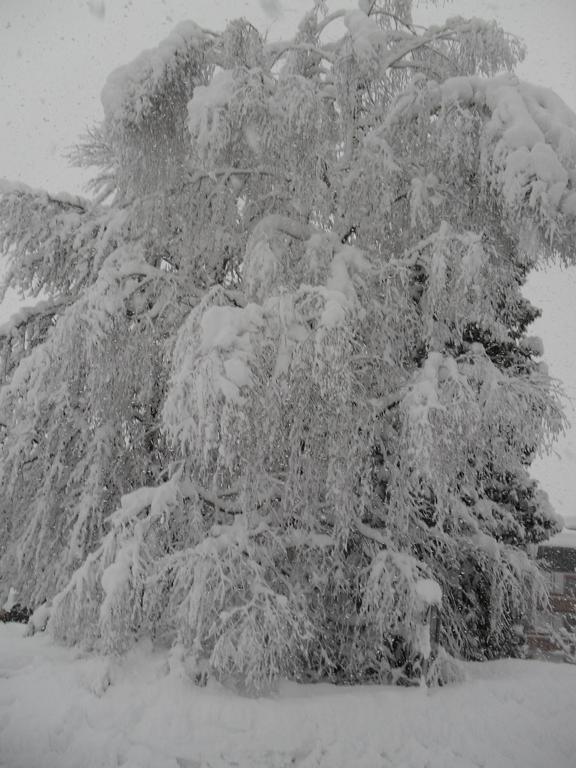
x: 278, y: 397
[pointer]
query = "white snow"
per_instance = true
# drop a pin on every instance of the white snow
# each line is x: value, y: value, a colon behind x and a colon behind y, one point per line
x: 60, y: 709
x: 429, y: 591
x: 546, y: 165
x: 116, y: 575
x: 206, y: 104
x: 222, y: 327
x: 39, y: 619
x: 226, y: 335
x: 8, y: 187
x: 126, y: 92
x: 24, y: 313
x: 349, y: 267
x: 10, y: 600
x: 531, y: 134
x: 366, y: 35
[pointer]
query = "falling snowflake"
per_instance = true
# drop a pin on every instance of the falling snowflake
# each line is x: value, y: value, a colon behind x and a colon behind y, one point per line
x: 97, y: 8
x: 271, y: 7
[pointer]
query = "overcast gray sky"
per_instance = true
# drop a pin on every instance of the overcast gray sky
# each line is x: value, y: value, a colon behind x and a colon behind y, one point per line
x: 56, y: 54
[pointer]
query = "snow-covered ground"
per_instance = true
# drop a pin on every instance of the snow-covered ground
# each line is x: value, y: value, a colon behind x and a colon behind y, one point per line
x: 59, y: 709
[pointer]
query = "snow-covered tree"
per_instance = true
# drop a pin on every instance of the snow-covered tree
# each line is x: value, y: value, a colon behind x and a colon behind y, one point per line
x: 278, y: 399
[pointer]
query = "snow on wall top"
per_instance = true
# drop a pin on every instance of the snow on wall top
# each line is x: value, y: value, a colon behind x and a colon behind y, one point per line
x: 564, y: 539
x: 128, y: 90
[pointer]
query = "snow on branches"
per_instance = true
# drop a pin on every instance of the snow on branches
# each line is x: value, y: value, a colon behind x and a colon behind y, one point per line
x: 280, y: 403
x: 527, y: 146
x: 135, y: 90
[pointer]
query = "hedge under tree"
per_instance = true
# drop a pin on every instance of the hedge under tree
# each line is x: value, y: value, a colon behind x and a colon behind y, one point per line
x: 277, y: 397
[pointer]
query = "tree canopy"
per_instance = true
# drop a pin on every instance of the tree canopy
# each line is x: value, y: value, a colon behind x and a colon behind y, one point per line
x: 277, y: 396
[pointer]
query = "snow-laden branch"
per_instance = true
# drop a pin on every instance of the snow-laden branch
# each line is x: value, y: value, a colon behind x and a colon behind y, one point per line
x: 276, y: 50
x: 65, y: 199
x: 527, y: 143
x: 24, y: 315
x: 129, y: 91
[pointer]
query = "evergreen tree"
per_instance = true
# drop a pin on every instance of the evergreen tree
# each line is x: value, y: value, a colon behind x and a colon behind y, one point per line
x: 280, y: 399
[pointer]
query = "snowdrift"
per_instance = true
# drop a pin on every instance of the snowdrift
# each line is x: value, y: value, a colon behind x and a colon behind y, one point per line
x: 59, y: 709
